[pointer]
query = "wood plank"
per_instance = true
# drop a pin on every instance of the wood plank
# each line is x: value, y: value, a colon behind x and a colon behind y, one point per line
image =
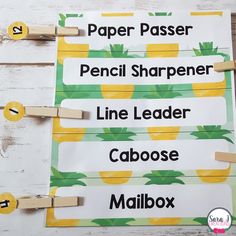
x: 26, y: 77
x: 37, y: 82
x: 118, y: 231
x: 191, y: 5
x: 45, y: 12
x: 27, y: 51
x: 25, y: 153
x: 25, y: 145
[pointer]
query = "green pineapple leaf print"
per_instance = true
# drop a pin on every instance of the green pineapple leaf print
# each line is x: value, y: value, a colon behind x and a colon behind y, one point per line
x: 118, y: 51
x: 63, y: 179
x: 212, y: 132
x: 163, y: 91
x: 72, y: 15
x: 233, y: 219
x: 62, y: 20
x: 207, y: 49
x: 113, y: 222
x: 98, y: 54
x: 164, y: 177
x: 201, y: 220
x: 116, y: 134
x: 160, y: 13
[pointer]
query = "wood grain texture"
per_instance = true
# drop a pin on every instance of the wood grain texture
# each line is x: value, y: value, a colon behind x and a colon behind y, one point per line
x: 25, y: 146
x: 183, y: 4
x: 43, y: 12
x: 27, y: 84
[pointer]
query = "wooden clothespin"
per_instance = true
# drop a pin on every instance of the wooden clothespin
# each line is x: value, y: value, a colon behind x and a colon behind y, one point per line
x: 225, y: 156
x: 51, y: 31
x: 15, y: 111
x: 224, y: 66
x: 19, y: 30
x: 1, y: 36
x: 8, y: 203
x: 53, y: 112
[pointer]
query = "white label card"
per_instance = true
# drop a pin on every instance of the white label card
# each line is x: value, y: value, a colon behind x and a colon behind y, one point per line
x: 141, y: 71
x: 181, y: 26
x: 147, y: 113
x: 141, y: 155
x: 146, y: 201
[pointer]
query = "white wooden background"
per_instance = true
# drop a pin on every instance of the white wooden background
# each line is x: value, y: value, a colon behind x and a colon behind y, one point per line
x: 27, y: 75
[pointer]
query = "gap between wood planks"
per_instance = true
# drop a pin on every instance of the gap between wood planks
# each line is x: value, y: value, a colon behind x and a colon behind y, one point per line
x: 27, y: 64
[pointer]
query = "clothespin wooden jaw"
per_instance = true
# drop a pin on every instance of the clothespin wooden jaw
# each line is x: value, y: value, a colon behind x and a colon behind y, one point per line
x: 1, y: 36
x: 224, y: 66
x: 19, y: 30
x: 15, y: 111
x: 44, y: 32
x: 46, y: 202
x: 8, y: 203
x: 225, y: 157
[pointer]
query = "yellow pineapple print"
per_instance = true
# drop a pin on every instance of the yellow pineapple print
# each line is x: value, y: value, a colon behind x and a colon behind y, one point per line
x: 61, y: 134
x: 163, y: 133
x: 115, y: 177
x: 163, y: 50
x: 208, y: 89
x: 164, y: 177
x: 52, y: 221
x: 115, y: 134
x: 71, y: 50
x: 213, y: 176
x: 117, y: 91
x: 164, y: 221
x: 212, y: 132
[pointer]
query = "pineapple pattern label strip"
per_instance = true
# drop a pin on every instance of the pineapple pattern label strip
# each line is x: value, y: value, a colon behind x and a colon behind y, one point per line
x: 156, y: 112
